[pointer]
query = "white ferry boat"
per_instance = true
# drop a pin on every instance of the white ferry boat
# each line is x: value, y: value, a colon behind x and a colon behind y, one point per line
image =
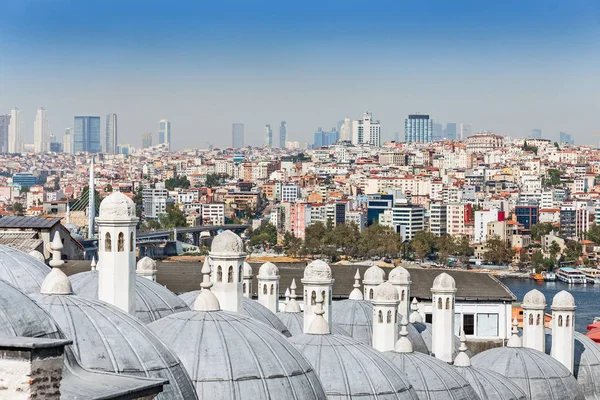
x: 592, y: 275
x: 570, y: 275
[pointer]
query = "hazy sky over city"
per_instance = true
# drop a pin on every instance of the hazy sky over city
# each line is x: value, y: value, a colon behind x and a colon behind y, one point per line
x: 506, y: 66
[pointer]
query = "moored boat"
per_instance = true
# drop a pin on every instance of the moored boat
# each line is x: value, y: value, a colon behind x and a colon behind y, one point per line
x: 592, y: 275
x: 570, y: 275
x: 549, y: 276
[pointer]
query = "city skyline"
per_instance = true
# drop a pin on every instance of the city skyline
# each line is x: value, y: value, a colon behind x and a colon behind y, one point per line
x: 503, y: 67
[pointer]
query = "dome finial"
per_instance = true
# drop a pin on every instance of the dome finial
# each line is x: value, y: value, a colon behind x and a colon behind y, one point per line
x: 292, y: 305
x: 93, y: 264
x: 415, y: 317
x: 206, y: 300
x: 56, y: 282
x: 403, y: 345
x: 462, y: 358
x: 319, y: 325
x: 356, y: 294
x: 515, y: 340
x: 287, y: 296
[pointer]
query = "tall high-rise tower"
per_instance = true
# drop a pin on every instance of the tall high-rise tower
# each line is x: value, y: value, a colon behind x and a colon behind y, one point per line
x: 237, y: 136
x: 4, y: 122
x: 111, y: 138
x: 268, y: 136
x: 282, y: 134
x: 15, y: 132
x: 164, y: 132
x: 41, y: 132
x: 86, y: 134
x: 366, y: 131
x: 146, y: 140
x: 418, y: 129
x: 68, y: 141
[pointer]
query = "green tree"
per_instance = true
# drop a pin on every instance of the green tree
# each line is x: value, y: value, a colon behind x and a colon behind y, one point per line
x: 554, y: 249
x: 18, y: 209
x: 423, y: 244
x: 173, y: 218
x: 445, y: 247
x: 593, y: 233
x: 150, y: 225
x: 463, y: 250
x: 314, y: 236
x: 108, y: 188
x: 265, y: 235
x: 538, y: 261
x: 292, y: 244
x: 177, y: 182
x: 213, y: 180
x: 379, y: 240
x: 497, y: 251
x: 541, y: 229
x: 572, y: 252
x: 552, y: 177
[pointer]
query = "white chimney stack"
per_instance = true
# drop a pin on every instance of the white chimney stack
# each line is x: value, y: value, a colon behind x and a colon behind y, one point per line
x: 563, y: 329
x: 443, y: 292
x: 534, y: 312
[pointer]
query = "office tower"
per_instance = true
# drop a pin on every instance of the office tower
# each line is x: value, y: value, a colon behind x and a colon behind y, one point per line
x: 110, y: 140
x: 237, y: 136
x: 417, y: 129
x: 397, y: 137
x: 4, y: 122
x: 41, y: 132
x: 536, y: 134
x: 282, y: 134
x: 268, y: 136
x: 566, y: 138
x: 451, y: 131
x: 366, y: 131
x: 68, y: 141
x: 86, y: 134
x: 55, y: 146
x: 146, y: 140
x: 15, y: 132
x: 322, y: 138
x: 164, y: 132
x: 346, y: 130
x: 437, y: 131
x: 466, y: 130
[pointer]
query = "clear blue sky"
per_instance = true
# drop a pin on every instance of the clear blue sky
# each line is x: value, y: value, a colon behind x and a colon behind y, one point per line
x: 507, y: 66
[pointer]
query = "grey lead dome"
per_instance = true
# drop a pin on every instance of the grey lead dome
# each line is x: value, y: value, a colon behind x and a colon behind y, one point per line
x: 232, y: 357
x: 21, y: 270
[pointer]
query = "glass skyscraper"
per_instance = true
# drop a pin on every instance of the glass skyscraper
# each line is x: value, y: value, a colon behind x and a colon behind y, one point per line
x: 111, y: 138
x: 4, y: 122
x: 164, y: 132
x: 282, y: 134
x: 237, y: 136
x: 86, y: 134
x: 451, y: 131
x: 418, y: 129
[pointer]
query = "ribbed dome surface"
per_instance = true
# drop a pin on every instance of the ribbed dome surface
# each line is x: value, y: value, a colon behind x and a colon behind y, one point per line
x: 356, y: 318
x: 231, y: 356
x: 152, y: 300
x: 349, y: 369
x: 425, y: 330
x: 490, y: 385
x: 540, y: 376
x: 107, y: 339
x: 252, y: 309
x: 21, y: 316
x: 432, y: 378
x: 227, y: 242
x: 21, y: 270
x: 294, y: 321
x: 587, y: 363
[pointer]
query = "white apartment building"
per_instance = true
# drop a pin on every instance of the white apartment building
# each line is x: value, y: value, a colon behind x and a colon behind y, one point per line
x: 15, y: 132
x: 290, y: 193
x: 437, y: 218
x: 366, y: 131
x: 406, y: 219
x: 482, y: 218
x: 154, y: 202
x: 213, y: 213
x: 357, y: 217
x: 41, y: 132
x: 455, y: 222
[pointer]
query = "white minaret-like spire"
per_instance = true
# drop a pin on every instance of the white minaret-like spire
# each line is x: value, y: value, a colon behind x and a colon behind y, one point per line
x: 356, y: 294
x: 319, y: 325
x: 443, y: 291
x: 534, y: 312
x: 292, y: 305
x: 514, y: 340
x: 385, y: 317
x: 92, y: 200
x: 116, y: 251
x: 268, y: 286
x: 317, y: 281
x: 287, y: 298
x: 563, y: 329
x: 206, y: 300
x: 226, y: 261
x: 56, y: 282
x: 403, y: 345
x: 247, y: 276
x: 93, y: 264
x: 415, y: 316
x: 462, y: 358
x: 146, y: 268
x: 68, y: 213
x: 400, y: 278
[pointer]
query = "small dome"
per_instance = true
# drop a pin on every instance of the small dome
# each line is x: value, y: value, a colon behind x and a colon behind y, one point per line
x: 540, y: 376
x: 252, y: 309
x: 425, y: 330
x: 432, y: 378
x: 117, y: 206
x: 268, y: 270
x: 109, y: 340
x: 235, y: 357
x: 444, y: 282
x: 399, y: 275
x: 563, y: 299
x: 146, y: 264
x: 247, y: 272
x: 490, y: 385
x: 374, y: 275
x: 294, y: 321
x: 386, y: 292
x: 318, y: 270
x: 349, y: 369
x: 356, y: 318
x: 534, y: 298
x: 38, y: 256
x: 21, y: 270
x: 227, y: 242
x: 152, y: 300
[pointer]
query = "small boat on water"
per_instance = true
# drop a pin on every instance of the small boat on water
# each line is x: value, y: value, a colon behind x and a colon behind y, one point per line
x: 536, y: 277
x: 549, y: 276
x: 592, y: 275
x: 570, y: 275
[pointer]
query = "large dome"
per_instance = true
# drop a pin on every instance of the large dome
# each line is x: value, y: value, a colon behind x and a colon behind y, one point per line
x: 356, y: 318
x: 117, y: 206
x: 374, y: 275
x: 21, y: 270
x: 540, y: 376
x: 152, y: 300
x: 425, y: 330
x: 21, y: 316
x: 231, y: 356
x: 317, y: 270
x: 107, y: 339
x: 252, y: 309
x: 227, y: 242
x: 432, y: 378
x: 490, y: 385
x: 349, y: 369
x: 294, y: 322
